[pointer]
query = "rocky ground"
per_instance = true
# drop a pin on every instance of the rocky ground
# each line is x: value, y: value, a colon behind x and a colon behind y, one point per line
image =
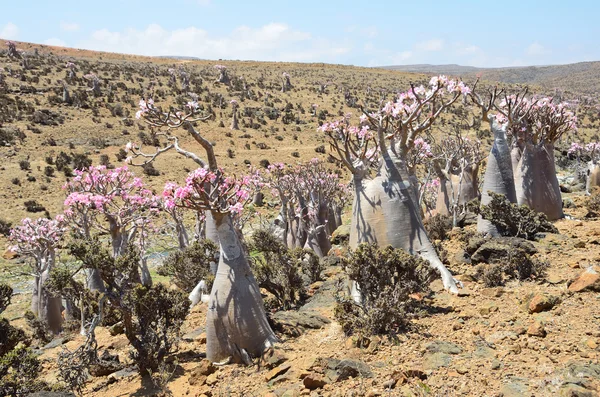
x: 522, y: 339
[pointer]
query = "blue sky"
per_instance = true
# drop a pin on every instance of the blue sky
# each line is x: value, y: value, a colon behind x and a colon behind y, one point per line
x: 366, y: 33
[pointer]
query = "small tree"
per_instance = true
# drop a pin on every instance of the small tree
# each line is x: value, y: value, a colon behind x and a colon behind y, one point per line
x: 236, y: 327
x: 39, y: 240
x: 115, y: 202
x: 387, y: 278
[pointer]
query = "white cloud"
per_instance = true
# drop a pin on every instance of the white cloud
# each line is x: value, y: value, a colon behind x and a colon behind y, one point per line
x: 401, y: 57
x: 203, y: 2
x: 55, y: 42
x: 370, y: 32
x: 69, y: 26
x: 472, y: 49
x: 536, y: 49
x: 430, y: 45
x: 10, y: 31
x: 273, y: 42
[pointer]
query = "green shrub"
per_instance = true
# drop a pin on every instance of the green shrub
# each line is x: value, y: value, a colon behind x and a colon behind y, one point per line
x: 276, y: 269
x: 191, y: 265
x: 386, y: 277
x: 438, y: 227
x: 515, y: 220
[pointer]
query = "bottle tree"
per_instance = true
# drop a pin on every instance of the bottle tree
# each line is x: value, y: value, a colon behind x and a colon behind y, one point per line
x: 385, y: 209
x: 236, y: 324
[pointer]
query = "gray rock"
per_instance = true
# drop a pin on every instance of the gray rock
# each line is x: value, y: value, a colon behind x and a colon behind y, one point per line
x: 54, y: 343
x: 516, y: 387
x: 439, y: 346
x: 496, y: 249
x: 192, y: 335
x: 433, y: 361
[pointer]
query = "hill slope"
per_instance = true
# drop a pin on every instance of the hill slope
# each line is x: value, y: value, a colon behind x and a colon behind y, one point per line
x: 582, y: 77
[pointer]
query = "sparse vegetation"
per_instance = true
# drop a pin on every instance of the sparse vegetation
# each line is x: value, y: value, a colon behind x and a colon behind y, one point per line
x: 386, y: 278
x: 515, y: 220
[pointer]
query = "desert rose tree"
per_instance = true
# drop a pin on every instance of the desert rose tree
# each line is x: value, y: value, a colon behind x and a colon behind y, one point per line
x: 312, y: 199
x: 39, y: 240
x: 385, y: 208
x: 236, y: 324
x: 498, y: 177
x: 114, y: 202
x: 592, y: 151
x: 456, y: 160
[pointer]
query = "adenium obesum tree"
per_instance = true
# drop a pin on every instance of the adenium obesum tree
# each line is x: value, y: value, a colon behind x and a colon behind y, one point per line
x: 386, y: 207
x: 312, y: 200
x: 455, y: 161
x: 591, y: 151
x: 534, y: 125
x: 115, y: 202
x: 39, y: 240
x: 236, y: 323
x: 498, y: 177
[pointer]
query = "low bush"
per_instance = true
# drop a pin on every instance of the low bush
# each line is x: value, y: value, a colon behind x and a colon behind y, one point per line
x: 438, y: 227
x: 277, y: 270
x: 515, y: 220
x: 188, y: 267
x: 386, y: 278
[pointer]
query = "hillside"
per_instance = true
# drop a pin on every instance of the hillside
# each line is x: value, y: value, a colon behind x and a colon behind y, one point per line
x: 536, y: 336
x: 583, y: 77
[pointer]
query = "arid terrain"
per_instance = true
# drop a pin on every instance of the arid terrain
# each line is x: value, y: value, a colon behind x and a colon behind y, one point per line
x: 537, y: 337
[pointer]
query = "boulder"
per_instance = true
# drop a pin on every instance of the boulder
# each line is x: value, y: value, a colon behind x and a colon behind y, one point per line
x: 497, y: 249
x: 589, y: 280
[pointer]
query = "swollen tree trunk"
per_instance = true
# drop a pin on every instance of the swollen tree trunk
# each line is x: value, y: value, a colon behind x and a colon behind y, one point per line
x: 236, y: 323
x: 456, y: 190
x: 536, y: 182
x: 592, y: 177
x: 498, y: 176
x: 385, y: 212
x: 49, y: 307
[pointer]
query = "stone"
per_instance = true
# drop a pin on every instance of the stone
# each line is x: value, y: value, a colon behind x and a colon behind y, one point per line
x: 542, y: 302
x: 10, y: 255
x: 589, y: 280
x: 272, y: 358
x: 436, y: 360
x: 314, y: 381
x: 496, y: 250
x: 293, y: 323
x: 277, y: 371
x: 122, y: 374
x: 194, y: 335
x: 341, y: 235
x: 592, y: 344
x: 116, y: 329
x: 212, y: 379
x: 537, y: 329
x: 579, y: 244
x: 514, y: 388
x: 373, y: 393
x: 572, y: 390
x: 439, y: 346
x: 54, y: 343
x: 199, y: 375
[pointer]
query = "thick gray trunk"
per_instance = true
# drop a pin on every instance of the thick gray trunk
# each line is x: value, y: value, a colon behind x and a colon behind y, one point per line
x: 94, y: 280
x: 456, y: 191
x: 236, y: 323
x: 498, y: 176
x: 536, y: 182
x: 593, y: 176
x: 384, y: 212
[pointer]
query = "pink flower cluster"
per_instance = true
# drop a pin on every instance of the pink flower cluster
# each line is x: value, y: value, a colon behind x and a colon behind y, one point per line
x: 115, y: 193
x: 145, y: 107
x: 211, y: 190
x: 422, y: 149
x: 37, y: 237
x: 220, y: 67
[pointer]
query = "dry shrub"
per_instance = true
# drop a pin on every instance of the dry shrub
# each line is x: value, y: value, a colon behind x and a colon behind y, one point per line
x: 386, y: 278
x: 515, y: 220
